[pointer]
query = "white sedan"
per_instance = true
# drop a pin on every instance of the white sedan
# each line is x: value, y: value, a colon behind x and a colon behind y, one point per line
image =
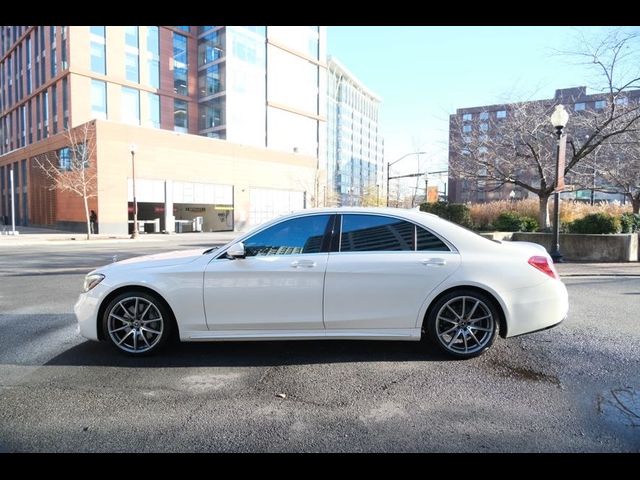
x: 340, y: 273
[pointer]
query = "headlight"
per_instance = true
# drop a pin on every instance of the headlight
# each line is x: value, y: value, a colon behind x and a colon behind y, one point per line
x: 91, y: 281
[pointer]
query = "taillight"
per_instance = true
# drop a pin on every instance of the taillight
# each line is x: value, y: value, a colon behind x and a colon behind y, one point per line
x: 542, y: 264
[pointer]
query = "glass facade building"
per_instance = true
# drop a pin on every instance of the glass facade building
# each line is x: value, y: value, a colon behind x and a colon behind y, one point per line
x: 355, y: 147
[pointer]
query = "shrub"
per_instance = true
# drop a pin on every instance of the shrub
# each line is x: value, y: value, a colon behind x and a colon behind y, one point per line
x: 484, y: 215
x: 454, y: 212
x: 596, y: 223
x: 514, y: 222
x: 630, y: 222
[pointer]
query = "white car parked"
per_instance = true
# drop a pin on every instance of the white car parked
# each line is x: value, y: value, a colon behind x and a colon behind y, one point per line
x: 339, y: 273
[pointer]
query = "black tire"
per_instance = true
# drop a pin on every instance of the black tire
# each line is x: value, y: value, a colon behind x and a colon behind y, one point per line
x: 463, y: 323
x: 140, y: 334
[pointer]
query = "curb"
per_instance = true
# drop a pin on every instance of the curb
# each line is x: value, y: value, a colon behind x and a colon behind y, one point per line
x: 632, y: 275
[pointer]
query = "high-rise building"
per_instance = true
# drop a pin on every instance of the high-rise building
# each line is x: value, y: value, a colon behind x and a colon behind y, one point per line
x: 261, y: 89
x: 355, y: 151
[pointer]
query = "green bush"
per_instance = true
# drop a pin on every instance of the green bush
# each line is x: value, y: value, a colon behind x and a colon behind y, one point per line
x: 454, y: 212
x: 630, y: 222
x: 596, y: 223
x: 514, y: 222
x: 530, y: 224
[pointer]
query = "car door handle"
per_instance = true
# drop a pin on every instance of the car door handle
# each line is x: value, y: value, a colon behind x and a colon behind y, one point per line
x: 303, y: 263
x: 435, y: 262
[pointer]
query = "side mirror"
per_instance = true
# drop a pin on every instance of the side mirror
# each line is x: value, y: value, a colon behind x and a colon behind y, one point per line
x: 237, y: 250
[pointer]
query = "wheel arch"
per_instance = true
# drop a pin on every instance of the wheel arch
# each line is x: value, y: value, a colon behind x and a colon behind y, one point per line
x: 128, y: 288
x: 502, y: 321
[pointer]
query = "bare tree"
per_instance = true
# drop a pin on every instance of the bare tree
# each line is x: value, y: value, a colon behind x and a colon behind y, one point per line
x: 371, y: 196
x: 519, y: 149
x: 620, y: 167
x: 69, y: 169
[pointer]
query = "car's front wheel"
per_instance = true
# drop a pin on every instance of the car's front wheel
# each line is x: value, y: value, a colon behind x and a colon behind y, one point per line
x: 463, y: 323
x: 136, y: 323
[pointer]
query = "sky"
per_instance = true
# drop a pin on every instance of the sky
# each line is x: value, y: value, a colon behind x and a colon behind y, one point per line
x: 423, y: 74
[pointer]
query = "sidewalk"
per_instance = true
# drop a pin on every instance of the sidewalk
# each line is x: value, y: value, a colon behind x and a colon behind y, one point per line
x: 579, y: 269
x: 43, y: 236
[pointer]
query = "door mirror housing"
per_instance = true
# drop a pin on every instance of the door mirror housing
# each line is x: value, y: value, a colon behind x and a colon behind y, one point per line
x: 237, y: 250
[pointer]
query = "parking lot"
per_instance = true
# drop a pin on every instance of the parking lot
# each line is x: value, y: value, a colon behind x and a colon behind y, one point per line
x: 574, y: 388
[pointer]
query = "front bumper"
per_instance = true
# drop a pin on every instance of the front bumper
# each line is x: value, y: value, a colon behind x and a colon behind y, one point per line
x: 86, y: 311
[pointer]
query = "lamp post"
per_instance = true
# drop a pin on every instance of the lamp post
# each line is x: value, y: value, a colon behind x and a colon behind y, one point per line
x: 132, y: 149
x: 559, y: 119
x: 394, y: 162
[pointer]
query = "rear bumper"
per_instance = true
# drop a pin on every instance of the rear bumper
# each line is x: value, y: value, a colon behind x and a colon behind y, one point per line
x: 537, y: 308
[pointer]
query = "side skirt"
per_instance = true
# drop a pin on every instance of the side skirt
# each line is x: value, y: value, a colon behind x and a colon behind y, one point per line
x: 409, y: 334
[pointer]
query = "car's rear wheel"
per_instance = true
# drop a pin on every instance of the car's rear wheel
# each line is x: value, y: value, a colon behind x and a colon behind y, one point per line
x: 137, y: 323
x: 463, y: 323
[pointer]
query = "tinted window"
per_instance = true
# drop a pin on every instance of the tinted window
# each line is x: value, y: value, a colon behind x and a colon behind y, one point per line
x: 366, y: 233
x: 298, y: 235
x: 428, y: 241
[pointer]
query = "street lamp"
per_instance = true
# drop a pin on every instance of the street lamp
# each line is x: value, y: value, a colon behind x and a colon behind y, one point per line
x: 559, y: 119
x: 132, y: 149
x: 394, y: 162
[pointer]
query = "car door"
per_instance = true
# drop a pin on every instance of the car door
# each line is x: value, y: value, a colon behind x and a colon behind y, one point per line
x: 383, y: 270
x: 278, y: 286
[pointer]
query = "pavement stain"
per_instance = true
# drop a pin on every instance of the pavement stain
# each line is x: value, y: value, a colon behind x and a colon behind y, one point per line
x: 524, y: 373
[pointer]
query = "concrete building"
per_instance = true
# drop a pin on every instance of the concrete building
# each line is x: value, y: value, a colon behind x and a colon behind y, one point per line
x: 229, y: 123
x: 486, y: 120
x: 355, y: 152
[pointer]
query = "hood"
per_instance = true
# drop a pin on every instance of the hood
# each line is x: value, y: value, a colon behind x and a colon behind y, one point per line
x: 166, y: 259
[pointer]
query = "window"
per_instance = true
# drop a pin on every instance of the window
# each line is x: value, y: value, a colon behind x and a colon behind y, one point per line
x: 466, y: 128
x: 98, y: 99
x: 131, y: 36
x: 64, y: 158
x: 153, y: 56
x: 623, y: 101
x: 131, y: 105
x: 291, y: 237
x: 484, y: 116
x: 484, y: 127
x: 467, y: 117
x: 65, y: 103
x: 153, y: 119
x: 211, y: 80
x: 367, y: 233
x: 97, y: 49
x: 45, y: 114
x: 184, y: 28
x: 212, y: 113
x: 180, y: 117
x: 579, y: 106
x: 501, y: 114
x: 180, y: 64
x: 54, y: 107
x: 428, y: 241
x: 132, y: 67
x: 600, y: 104
x: 211, y: 47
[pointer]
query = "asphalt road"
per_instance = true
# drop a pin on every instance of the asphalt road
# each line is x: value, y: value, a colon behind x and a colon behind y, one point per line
x: 575, y: 388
